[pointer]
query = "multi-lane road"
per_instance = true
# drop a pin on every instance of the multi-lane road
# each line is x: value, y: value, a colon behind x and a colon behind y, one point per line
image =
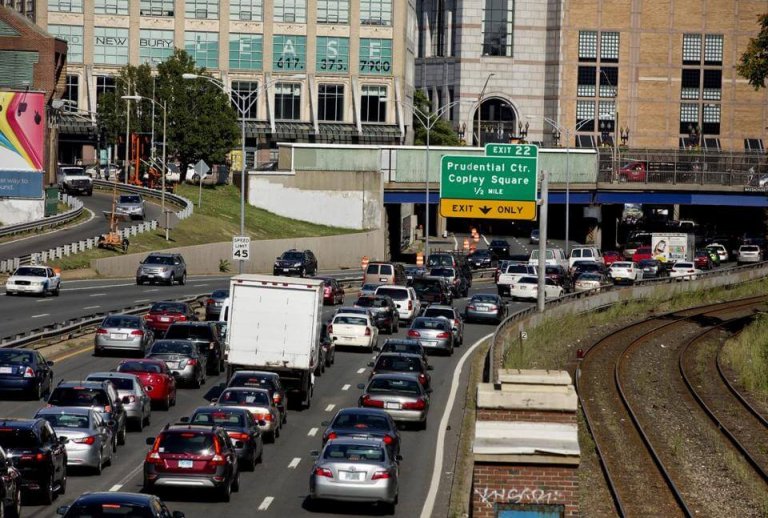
x: 279, y: 486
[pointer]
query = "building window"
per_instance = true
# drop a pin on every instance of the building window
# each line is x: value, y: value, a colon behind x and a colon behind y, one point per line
x: 74, y: 36
x: 376, y: 12
x: 689, y: 117
x: 330, y: 103
x: 201, y: 9
x: 111, y: 7
x: 203, y: 47
x: 711, y: 119
x: 332, y: 55
x: 246, y: 51
x: 246, y: 10
x: 157, y: 7
x: 287, y: 101
x: 713, y: 50
x: 110, y: 46
x: 609, y: 79
x: 289, y: 53
x: 701, y: 83
x: 248, y: 101
x: 588, y: 46
x: 375, y: 57
x: 72, y: 92
x: 437, y: 28
x: 598, y: 79
x: 372, y: 105
x: 691, y: 49
x: 155, y: 46
x: 290, y: 11
x: 585, y: 115
x: 609, y: 47
x: 498, y: 20
x: 586, y: 82
x: 104, y: 85
x: 65, y: 6
x: 333, y: 11
x: 713, y: 81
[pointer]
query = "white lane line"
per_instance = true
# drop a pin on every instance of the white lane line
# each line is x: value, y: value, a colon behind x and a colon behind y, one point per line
x: 330, y: 407
x: 152, y: 291
x: 101, y: 287
x: 142, y: 300
x: 294, y: 463
x: 91, y: 307
x: 196, y: 284
x: 312, y: 432
x: 41, y: 315
x: 116, y: 487
x: 437, y: 469
x: 97, y: 295
x: 264, y: 505
x: 346, y: 387
x: 360, y: 371
x: 44, y: 300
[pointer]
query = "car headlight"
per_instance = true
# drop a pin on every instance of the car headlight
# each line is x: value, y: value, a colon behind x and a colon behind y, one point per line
x: 277, y: 264
x: 297, y: 265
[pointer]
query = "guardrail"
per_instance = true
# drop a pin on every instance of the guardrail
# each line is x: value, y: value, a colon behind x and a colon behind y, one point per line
x: 9, y: 265
x: 75, y: 209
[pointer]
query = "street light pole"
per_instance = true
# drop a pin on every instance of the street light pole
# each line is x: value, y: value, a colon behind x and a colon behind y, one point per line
x: 480, y: 111
x: 127, y: 140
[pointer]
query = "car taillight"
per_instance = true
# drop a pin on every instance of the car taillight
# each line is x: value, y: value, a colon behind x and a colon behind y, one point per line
x: 85, y: 440
x: 419, y: 404
x: 277, y: 398
x: 138, y: 332
x: 107, y: 408
x: 239, y: 436
x: 192, y: 361
x: 217, y: 460
x: 327, y: 290
x: 470, y: 306
x: 380, y: 475
x: 492, y: 307
x: 181, y: 318
x: 330, y: 329
x: 367, y: 401
x: 367, y: 331
x: 388, y: 439
x: 101, y: 331
x: 210, y: 302
x: 265, y: 417
x: 323, y: 472
x: 29, y: 373
x: 422, y: 379
x: 332, y: 435
x: 37, y: 457
x: 413, y: 333
x: 410, y: 305
x: 443, y: 335
x: 690, y: 271
x: 132, y: 399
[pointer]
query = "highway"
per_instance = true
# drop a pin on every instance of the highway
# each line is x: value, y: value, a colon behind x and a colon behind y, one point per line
x: 279, y: 486
x: 99, y: 202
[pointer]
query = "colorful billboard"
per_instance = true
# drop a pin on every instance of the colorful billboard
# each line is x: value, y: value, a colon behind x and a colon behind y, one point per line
x: 22, y: 130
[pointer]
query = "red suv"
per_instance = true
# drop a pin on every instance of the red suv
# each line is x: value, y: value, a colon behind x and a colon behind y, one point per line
x: 192, y: 456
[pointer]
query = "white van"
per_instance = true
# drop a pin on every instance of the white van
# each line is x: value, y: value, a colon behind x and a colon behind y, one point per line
x: 585, y: 253
x: 553, y: 257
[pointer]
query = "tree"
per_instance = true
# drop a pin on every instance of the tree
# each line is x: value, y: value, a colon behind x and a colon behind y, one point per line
x: 441, y: 134
x: 753, y: 65
x: 202, y: 124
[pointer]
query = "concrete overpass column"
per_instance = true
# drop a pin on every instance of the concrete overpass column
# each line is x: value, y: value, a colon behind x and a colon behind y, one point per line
x: 441, y: 225
x: 611, y: 216
x: 676, y: 212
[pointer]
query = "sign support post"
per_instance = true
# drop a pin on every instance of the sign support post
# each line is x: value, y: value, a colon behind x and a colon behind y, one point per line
x: 541, y: 267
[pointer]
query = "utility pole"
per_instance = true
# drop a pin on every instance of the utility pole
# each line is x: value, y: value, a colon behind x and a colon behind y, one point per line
x: 541, y: 272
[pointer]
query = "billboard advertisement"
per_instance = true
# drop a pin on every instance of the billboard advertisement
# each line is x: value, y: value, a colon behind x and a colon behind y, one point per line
x: 22, y: 130
x: 672, y: 247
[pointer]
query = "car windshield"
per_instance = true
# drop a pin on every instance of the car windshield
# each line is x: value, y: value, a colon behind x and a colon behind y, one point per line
x: 397, y: 363
x: 439, y: 312
x: 353, y: 452
x: 119, y: 383
x: 517, y: 268
x: 360, y: 421
x: 747, y: 248
x: 380, y: 385
x: 30, y: 272
x: 350, y: 320
x: 528, y: 280
x: 189, y: 332
x: 220, y: 294
x: 426, y: 287
x: 648, y: 263
x: 552, y: 270
x: 396, y: 347
x: 292, y: 256
x: 244, y: 397
x: 186, y: 442
x: 621, y: 265
x: 442, y: 272
x: 67, y: 420
x: 15, y: 357
x: 73, y: 171
x: 683, y: 265
x: 158, y: 259
x: 481, y: 253
x: 109, y: 509
x: 167, y: 307
x: 393, y: 293
x: 129, y: 198
x: 440, y: 260
x: 589, y: 277
x: 172, y: 348
x: 78, y: 396
x: 429, y: 323
x: 123, y: 322
x: 16, y: 438
x: 225, y: 418
x: 248, y: 380
x: 139, y: 367
x: 369, y: 287
x: 483, y: 298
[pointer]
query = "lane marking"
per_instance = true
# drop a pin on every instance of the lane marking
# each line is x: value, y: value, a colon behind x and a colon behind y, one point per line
x: 360, y: 371
x: 97, y: 294
x: 152, y: 291
x: 41, y: 315
x: 91, y: 307
x: 101, y: 287
x: 44, y: 300
x: 346, y: 387
x: 294, y: 463
x: 312, y: 432
x: 116, y: 487
x: 330, y: 407
x: 196, y: 284
x: 437, y: 469
x: 142, y: 300
x: 264, y: 505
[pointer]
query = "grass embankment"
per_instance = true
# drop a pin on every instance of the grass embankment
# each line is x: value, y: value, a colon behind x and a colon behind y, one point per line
x: 217, y: 220
x: 552, y: 344
x: 747, y: 355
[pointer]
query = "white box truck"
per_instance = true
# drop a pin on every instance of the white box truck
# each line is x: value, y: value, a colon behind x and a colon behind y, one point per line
x: 670, y: 247
x: 274, y: 325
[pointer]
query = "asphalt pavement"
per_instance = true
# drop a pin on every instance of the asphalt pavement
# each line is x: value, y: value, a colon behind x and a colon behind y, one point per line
x: 97, y: 224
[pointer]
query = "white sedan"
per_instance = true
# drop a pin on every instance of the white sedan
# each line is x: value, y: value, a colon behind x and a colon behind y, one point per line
x: 527, y: 287
x: 39, y: 280
x: 684, y: 271
x: 625, y: 271
x: 354, y: 330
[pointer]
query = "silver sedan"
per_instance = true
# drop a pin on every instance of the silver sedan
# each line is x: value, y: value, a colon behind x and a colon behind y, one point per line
x: 125, y: 333
x: 355, y: 470
x: 133, y: 395
x: 400, y: 395
x: 90, y: 441
x: 433, y: 334
x: 485, y: 307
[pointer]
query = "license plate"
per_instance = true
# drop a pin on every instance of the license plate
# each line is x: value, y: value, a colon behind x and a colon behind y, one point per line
x: 392, y: 405
x: 6, y: 370
x: 286, y: 269
x: 165, y: 319
x: 482, y: 307
x: 351, y: 475
x: 185, y: 463
x: 118, y: 336
x: 150, y: 275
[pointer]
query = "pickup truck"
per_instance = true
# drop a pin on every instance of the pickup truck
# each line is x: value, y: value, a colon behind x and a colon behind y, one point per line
x: 511, y: 275
x: 74, y: 179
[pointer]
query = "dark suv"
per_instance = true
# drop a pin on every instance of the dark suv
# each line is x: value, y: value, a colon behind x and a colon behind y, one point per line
x: 295, y: 262
x: 384, y: 311
x: 99, y: 395
x: 205, y: 336
x: 37, y: 453
x: 162, y: 267
x: 433, y: 291
x: 186, y: 455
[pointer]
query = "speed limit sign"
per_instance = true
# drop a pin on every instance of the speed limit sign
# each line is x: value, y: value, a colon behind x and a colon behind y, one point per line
x: 241, y: 248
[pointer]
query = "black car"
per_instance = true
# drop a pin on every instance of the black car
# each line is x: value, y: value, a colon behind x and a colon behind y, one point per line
x: 33, y: 448
x: 653, y: 268
x: 295, y: 262
x: 404, y: 345
x: 483, y: 258
x: 213, y: 304
x: 401, y: 363
x: 205, y: 336
x: 500, y: 247
x: 414, y: 272
x: 580, y: 267
x: 10, y: 487
x: 184, y: 360
x: 384, y: 311
x: 26, y: 371
x: 239, y: 425
x: 433, y: 291
x: 116, y: 504
x: 363, y: 423
x: 99, y: 395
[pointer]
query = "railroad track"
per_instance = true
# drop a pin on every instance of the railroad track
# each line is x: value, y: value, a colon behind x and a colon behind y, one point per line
x: 637, y: 467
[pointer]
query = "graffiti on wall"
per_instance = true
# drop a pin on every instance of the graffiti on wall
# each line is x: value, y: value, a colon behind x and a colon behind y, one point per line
x: 490, y: 496
x: 22, y: 128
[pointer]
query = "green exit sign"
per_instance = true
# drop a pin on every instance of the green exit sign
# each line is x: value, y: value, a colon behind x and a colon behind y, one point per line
x: 489, y: 177
x: 513, y: 150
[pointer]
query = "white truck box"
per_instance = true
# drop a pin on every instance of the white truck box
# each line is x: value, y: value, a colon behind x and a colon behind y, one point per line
x: 670, y: 247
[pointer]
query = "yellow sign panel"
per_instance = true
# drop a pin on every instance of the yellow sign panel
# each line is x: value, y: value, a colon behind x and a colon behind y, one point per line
x: 487, y: 209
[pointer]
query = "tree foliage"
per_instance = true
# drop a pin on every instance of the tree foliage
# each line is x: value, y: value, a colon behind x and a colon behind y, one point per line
x: 441, y: 134
x: 753, y: 65
x: 201, y: 121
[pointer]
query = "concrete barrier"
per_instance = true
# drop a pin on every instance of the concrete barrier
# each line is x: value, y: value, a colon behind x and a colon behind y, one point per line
x: 333, y: 252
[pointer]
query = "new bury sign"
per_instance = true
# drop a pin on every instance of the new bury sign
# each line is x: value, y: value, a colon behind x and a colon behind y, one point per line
x: 500, y: 185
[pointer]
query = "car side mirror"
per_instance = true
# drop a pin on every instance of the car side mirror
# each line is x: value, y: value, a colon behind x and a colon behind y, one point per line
x: 178, y: 514
x: 150, y: 441
x: 370, y: 364
x: 239, y: 444
x: 50, y: 363
x: 64, y: 508
x: 361, y: 386
x: 184, y: 420
x: 63, y: 439
x: 325, y: 423
x: 315, y: 454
